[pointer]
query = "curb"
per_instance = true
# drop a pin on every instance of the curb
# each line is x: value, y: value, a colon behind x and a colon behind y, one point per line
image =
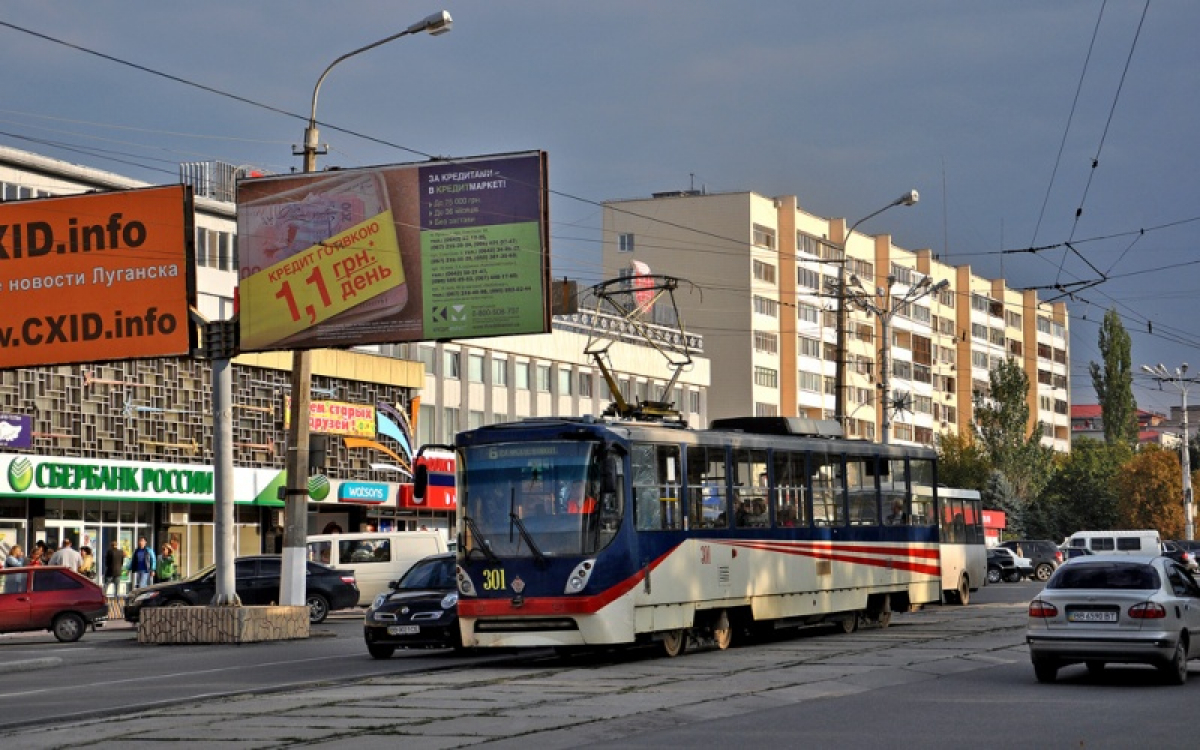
x: 47, y: 662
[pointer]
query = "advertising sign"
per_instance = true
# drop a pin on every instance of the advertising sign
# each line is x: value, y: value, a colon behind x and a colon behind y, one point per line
x: 335, y: 418
x: 16, y: 431
x: 94, y: 277
x: 441, y: 249
x: 365, y: 493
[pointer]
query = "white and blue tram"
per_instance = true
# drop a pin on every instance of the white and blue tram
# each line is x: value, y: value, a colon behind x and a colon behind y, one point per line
x: 585, y: 532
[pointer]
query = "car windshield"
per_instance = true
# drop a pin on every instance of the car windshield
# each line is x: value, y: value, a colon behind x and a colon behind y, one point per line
x: 428, y: 574
x: 1106, y: 575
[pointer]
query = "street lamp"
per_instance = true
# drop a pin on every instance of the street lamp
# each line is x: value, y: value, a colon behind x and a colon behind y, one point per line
x: 1177, y: 379
x: 839, y: 383
x: 295, y: 533
x: 884, y: 309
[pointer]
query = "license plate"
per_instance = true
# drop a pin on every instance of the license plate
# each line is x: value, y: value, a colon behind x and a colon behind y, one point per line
x: 404, y: 629
x: 1092, y: 616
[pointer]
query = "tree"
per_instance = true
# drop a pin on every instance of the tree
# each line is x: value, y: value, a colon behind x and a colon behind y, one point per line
x: 1113, y: 382
x: 961, y: 462
x: 1150, y: 492
x: 1000, y: 423
x: 1082, y: 492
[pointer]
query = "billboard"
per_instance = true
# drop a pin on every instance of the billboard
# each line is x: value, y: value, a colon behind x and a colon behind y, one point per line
x: 16, y: 431
x: 440, y: 249
x: 335, y: 418
x: 96, y: 277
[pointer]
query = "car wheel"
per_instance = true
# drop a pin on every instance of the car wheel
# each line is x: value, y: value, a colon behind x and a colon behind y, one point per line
x: 993, y: 575
x: 1176, y: 670
x: 318, y: 609
x: 1046, y: 670
x: 177, y: 603
x: 1012, y: 577
x: 68, y: 627
x: 380, y: 651
x: 1043, y: 572
x: 1095, y: 668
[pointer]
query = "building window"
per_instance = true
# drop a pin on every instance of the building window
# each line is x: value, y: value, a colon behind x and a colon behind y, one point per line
x: 564, y: 381
x: 474, y: 420
x: 764, y: 272
x: 625, y: 243
x: 694, y: 402
x: 765, y: 306
x: 543, y: 378
x: 450, y: 365
x: 499, y: 417
x: 808, y: 278
x: 1012, y: 319
x: 764, y: 236
x: 766, y: 342
x: 807, y: 347
x: 500, y: 372
x: 449, y: 425
x: 946, y: 297
x: 425, y: 424
x: 585, y: 385
x: 808, y: 313
x: 808, y: 244
x: 475, y: 368
x: 765, y: 410
x: 1043, y: 324
x: 428, y: 357
x: 766, y: 377
x: 522, y: 376
x: 811, y: 381
x: 979, y: 331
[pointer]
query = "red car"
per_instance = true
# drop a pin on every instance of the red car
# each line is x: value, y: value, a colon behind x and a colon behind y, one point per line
x: 49, y: 598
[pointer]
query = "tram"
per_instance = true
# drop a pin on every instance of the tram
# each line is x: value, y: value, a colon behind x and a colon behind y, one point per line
x: 581, y: 532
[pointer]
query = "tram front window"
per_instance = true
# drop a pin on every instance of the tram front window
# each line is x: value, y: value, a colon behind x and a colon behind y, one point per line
x: 537, y: 499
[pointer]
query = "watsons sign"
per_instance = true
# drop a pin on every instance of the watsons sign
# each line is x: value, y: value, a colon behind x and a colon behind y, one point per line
x: 23, y: 475
x: 371, y: 493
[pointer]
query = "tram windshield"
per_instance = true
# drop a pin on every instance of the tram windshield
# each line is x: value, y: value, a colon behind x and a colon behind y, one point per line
x: 538, y: 500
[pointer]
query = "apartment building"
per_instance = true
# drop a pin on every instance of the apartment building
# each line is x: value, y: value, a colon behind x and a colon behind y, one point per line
x: 767, y: 275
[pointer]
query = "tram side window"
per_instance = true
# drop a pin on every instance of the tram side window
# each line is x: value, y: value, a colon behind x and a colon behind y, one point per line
x: 864, y: 497
x: 656, y: 475
x: 750, y: 489
x: 706, y: 488
x: 828, y: 488
x: 954, y: 530
x: 893, y: 484
x: 789, y: 489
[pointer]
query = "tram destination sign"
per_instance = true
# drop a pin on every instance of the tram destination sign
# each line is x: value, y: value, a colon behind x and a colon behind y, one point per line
x: 102, y: 276
x: 442, y: 249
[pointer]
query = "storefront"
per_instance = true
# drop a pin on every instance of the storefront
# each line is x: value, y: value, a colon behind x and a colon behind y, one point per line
x: 96, y: 503
x: 380, y: 506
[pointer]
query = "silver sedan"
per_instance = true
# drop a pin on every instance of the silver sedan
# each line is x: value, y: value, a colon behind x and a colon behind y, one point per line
x: 1101, y: 609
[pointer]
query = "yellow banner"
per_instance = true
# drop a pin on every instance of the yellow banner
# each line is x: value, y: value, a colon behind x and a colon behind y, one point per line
x: 335, y: 418
x: 316, y: 284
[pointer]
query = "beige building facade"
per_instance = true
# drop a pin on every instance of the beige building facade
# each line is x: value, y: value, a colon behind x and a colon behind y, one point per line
x: 767, y: 274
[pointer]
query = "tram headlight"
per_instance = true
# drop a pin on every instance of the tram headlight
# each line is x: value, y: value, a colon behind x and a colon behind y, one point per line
x: 465, y: 586
x: 579, y: 577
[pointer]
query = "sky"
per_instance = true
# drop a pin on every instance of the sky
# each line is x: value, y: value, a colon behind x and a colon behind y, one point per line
x: 1053, y: 144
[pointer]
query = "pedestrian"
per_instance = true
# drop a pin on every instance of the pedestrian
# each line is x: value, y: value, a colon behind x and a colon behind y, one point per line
x: 87, y: 562
x: 36, y: 557
x: 67, y: 556
x: 16, y: 557
x: 114, y: 567
x: 141, y: 564
x: 166, y: 570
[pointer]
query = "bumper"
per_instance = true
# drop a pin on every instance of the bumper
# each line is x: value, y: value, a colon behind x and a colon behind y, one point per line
x: 1145, y: 648
x: 429, y: 636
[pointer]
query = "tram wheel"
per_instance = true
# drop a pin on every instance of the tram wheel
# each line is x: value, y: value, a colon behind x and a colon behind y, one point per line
x: 674, y: 642
x: 964, y: 591
x: 723, y: 631
x: 849, y: 624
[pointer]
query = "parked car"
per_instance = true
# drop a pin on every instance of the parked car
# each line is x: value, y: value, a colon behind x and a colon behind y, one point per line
x: 1022, y: 567
x: 421, y: 609
x: 1179, y: 554
x: 1115, y: 608
x: 1070, y: 553
x: 1001, y: 567
x: 1045, y: 554
x: 49, y: 598
x: 256, y: 581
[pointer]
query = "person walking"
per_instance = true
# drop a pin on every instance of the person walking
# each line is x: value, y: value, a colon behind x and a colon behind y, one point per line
x: 37, y: 556
x: 67, y: 555
x: 166, y: 569
x: 114, y: 567
x: 141, y: 564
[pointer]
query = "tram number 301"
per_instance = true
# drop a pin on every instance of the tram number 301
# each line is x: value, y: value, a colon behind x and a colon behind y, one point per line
x: 493, y: 579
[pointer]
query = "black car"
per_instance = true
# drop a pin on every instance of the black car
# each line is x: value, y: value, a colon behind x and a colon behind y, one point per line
x: 1045, y: 554
x: 256, y: 581
x: 420, y: 610
x: 1001, y: 567
x: 1178, y: 552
